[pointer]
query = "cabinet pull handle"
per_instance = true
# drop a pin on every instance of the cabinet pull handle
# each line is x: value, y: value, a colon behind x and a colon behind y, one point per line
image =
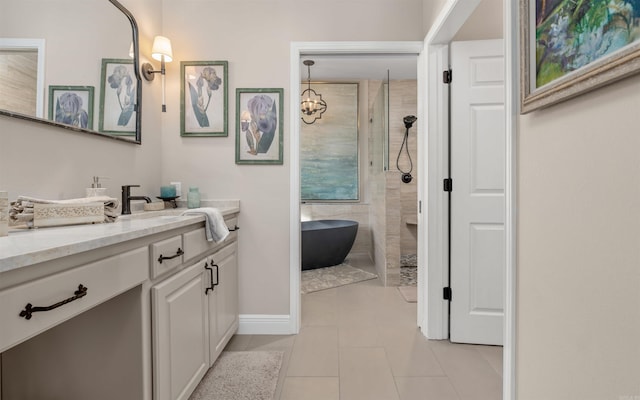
x: 234, y: 229
x: 206, y: 266
x: 217, y: 276
x: 30, y: 309
x: 178, y: 254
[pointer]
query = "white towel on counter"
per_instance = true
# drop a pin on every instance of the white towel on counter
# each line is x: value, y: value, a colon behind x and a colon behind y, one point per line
x: 22, y: 209
x: 215, y: 227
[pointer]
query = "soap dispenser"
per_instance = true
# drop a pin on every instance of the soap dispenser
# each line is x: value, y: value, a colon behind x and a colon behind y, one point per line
x: 96, y: 189
x: 193, y: 197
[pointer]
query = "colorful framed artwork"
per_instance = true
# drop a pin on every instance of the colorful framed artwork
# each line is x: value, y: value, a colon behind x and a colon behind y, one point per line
x: 571, y: 47
x: 329, y: 148
x: 259, y: 138
x: 117, y: 97
x: 71, y: 105
x: 203, y: 98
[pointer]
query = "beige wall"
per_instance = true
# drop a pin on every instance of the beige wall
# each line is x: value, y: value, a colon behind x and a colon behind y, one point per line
x: 476, y: 26
x: 255, y: 38
x: 430, y: 11
x: 578, y: 235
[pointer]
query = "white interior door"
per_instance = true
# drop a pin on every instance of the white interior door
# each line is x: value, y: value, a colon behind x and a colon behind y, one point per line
x: 477, y: 200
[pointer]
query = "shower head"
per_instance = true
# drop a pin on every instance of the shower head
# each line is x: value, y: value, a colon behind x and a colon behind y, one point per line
x: 409, y: 120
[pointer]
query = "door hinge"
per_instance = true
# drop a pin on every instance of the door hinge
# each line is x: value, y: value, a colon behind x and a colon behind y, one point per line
x: 419, y: 206
x: 447, y: 76
x: 446, y: 293
x: 448, y: 184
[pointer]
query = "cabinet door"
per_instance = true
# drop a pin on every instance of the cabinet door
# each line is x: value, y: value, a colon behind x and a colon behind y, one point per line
x: 223, y: 301
x: 180, y: 333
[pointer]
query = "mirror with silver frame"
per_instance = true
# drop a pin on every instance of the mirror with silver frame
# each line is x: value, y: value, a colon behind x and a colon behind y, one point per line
x: 72, y: 66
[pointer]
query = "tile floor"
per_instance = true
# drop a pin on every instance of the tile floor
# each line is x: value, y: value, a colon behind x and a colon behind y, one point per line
x: 360, y: 342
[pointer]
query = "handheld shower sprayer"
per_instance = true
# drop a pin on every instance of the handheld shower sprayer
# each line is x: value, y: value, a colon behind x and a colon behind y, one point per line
x: 408, y: 123
x: 409, y: 120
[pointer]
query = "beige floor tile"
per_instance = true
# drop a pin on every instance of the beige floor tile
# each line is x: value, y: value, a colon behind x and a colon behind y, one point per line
x: 365, y: 375
x: 333, y: 292
x: 417, y: 360
x: 361, y: 341
x: 311, y: 388
x: 397, y: 315
x: 358, y: 336
x: 493, y: 355
x: 283, y: 370
x: 319, y: 311
x: 420, y: 388
x: 471, y: 375
x: 315, y: 352
x: 238, y: 343
x: 408, y: 335
x: 269, y: 342
x: 353, y: 315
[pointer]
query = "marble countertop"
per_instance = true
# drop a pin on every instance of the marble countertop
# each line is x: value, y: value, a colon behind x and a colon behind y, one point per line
x: 31, y: 246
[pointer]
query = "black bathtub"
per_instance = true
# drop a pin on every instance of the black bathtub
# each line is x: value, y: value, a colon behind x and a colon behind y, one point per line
x: 326, y: 242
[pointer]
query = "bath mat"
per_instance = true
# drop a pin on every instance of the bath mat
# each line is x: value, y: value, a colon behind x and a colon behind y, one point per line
x: 317, y: 279
x: 241, y: 375
x: 409, y: 293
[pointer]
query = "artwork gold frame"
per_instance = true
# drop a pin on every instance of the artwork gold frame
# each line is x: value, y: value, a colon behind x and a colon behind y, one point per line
x: 570, y: 48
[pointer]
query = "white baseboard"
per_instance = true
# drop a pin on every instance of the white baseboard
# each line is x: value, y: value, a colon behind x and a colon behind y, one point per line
x: 263, y: 324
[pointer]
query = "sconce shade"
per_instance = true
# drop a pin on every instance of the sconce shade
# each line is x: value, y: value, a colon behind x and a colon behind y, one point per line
x: 162, y: 47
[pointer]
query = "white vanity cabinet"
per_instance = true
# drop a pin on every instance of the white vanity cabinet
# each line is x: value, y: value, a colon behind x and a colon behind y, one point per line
x: 194, y: 310
x: 223, y: 299
x: 157, y: 305
x: 180, y: 332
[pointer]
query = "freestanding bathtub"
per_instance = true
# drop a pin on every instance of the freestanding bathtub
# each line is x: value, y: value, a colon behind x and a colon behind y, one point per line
x: 326, y: 242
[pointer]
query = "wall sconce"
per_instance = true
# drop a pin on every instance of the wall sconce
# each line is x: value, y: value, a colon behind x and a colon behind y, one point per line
x: 161, y: 51
x: 312, y: 105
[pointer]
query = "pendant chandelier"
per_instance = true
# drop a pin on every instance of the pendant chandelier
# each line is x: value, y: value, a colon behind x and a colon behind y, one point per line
x: 312, y: 105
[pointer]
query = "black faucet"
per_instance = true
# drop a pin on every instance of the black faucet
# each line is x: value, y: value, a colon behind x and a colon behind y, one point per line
x: 126, y: 198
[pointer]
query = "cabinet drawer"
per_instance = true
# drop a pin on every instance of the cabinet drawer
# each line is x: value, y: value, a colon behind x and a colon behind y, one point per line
x: 166, y: 255
x: 195, y: 242
x: 102, y: 279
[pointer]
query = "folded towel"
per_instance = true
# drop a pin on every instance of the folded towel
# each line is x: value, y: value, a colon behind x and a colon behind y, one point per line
x: 22, y: 209
x: 215, y: 227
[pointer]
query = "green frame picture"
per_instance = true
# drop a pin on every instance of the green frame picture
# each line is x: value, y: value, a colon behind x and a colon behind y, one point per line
x: 204, y: 94
x: 71, y: 105
x: 118, y: 97
x: 259, y: 137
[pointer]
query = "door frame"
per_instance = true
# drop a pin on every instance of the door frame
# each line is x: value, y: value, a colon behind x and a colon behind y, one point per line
x: 432, y: 227
x: 452, y: 16
x: 39, y: 46
x: 297, y: 50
